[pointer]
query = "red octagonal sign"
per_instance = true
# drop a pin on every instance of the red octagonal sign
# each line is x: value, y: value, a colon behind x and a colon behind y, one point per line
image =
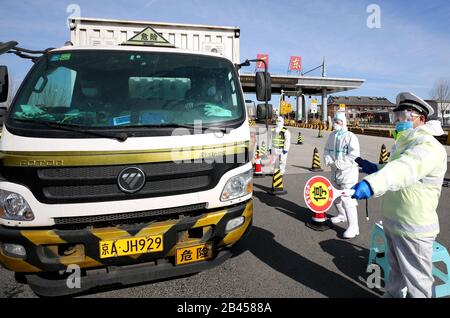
x: 318, y: 194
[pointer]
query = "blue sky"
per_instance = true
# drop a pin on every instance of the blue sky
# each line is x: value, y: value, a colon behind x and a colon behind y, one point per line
x: 409, y: 52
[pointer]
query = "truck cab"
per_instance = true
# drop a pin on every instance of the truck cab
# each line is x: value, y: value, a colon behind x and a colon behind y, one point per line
x: 123, y: 164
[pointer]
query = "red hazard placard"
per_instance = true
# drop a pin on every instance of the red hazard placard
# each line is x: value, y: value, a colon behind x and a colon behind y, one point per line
x: 318, y: 194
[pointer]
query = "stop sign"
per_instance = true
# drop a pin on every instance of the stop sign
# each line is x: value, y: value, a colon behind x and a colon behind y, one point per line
x: 318, y: 194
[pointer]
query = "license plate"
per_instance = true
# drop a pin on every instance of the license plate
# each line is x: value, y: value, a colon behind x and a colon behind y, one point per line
x: 194, y: 253
x: 131, y: 246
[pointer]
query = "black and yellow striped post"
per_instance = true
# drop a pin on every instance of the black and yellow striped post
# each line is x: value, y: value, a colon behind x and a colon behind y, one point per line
x: 316, y: 161
x: 300, y: 139
x: 383, y: 155
x: 263, y: 149
x: 277, y: 181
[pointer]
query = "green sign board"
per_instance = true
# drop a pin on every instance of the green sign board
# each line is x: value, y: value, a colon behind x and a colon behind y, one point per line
x: 148, y: 37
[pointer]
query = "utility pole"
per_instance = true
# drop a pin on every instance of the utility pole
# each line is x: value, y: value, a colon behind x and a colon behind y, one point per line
x: 323, y: 66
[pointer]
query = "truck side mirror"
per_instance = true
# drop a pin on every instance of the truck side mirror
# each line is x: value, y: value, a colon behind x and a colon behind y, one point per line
x: 263, y: 112
x: 6, y: 46
x: 4, y: 83
x: 263, y: 86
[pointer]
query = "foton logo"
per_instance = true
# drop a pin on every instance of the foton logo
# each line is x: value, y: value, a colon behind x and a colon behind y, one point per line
x: 41, y: 163
x: 131, y: 180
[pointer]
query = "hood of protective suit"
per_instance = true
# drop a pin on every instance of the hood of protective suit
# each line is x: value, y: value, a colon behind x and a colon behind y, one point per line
x: 433, y: 127
x: 280, y: 124
x: 341, y: 116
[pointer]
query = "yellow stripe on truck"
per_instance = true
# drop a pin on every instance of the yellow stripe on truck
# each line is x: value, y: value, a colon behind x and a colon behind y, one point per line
x: 17, y: 265
x: 96, y: 158
x: 110, y: 233
x: 42, y: 237
x: 159, y: 228
x: 87, y: 262
x: 210, y: 219
x: 235, y: 235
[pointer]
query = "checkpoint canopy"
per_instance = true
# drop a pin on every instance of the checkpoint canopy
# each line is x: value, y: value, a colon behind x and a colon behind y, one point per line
x: 308, y: 85
x: 300, y: 86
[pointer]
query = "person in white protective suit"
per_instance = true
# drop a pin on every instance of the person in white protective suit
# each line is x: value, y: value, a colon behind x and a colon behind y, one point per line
x: 341, y: 150
x: 410, y: 184
x: 280, y: 143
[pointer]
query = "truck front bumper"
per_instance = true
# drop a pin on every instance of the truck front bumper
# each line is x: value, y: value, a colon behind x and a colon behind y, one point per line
x: 46, y: 249
x: 118, y: 276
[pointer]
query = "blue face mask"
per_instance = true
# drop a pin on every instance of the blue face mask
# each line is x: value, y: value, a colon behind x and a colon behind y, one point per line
x: 403, y: 125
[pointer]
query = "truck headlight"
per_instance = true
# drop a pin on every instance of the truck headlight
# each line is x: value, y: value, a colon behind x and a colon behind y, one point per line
x: 13, y: 206
x: 238, y: 186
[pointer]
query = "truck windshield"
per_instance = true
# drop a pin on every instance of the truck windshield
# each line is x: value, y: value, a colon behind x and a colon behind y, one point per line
x: 124, y: 89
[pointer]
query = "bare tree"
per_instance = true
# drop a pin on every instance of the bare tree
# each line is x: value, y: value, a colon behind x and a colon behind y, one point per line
x: 441, y: 93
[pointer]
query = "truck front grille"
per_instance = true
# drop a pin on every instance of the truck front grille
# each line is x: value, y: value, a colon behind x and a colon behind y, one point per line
x: 57, y: 185
x: 123, y: 218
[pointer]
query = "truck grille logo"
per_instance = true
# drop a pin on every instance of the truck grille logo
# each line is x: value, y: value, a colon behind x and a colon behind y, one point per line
x: 131, y: 180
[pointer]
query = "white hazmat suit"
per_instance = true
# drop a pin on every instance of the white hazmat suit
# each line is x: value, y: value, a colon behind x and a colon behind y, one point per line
x: 341, y: 150
x: 280, y: 143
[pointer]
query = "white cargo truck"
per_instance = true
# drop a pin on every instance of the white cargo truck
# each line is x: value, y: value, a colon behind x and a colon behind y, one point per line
x: 201, y: 38
x: 124, y: 156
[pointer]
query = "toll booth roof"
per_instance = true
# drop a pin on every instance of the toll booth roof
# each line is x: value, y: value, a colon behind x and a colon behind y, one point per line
x: 308, y: 85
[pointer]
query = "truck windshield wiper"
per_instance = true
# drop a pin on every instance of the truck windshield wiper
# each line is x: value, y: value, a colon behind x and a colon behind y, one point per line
x: 75, y: 128
x: 173, y: 125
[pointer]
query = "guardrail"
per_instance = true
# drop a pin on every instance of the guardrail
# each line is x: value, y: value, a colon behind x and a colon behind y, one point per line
x: 444, y: 139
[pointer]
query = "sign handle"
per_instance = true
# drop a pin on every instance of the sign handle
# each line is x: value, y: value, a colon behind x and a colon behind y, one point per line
x: 345, y: 193
x: 367, y: 210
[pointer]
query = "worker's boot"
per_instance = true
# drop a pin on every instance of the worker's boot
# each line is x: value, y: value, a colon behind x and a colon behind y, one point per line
x: 353, y: 227
x: 341, y: 217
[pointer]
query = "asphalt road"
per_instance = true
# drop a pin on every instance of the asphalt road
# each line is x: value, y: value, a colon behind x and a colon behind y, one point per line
x: 281, y: 257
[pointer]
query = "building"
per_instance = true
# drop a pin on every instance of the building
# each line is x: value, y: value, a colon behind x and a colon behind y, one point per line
x: 363, y: 109
x: 443, y: 110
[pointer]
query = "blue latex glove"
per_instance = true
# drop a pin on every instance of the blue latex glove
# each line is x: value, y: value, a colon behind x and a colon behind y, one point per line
x: 367, y: 166
x: 285, y: 152
x: 362, y: 190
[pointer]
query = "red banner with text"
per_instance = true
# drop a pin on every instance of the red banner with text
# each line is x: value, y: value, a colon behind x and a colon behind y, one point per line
x: 265, y: 58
